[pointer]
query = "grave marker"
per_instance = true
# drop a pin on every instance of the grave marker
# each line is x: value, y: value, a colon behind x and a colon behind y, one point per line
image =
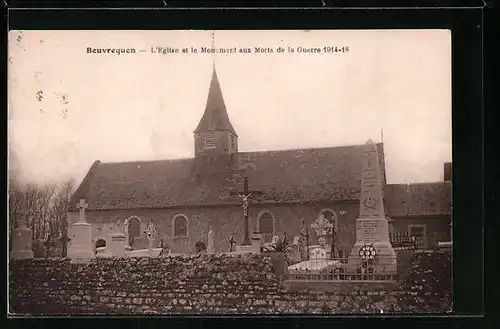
x: 80, y: 249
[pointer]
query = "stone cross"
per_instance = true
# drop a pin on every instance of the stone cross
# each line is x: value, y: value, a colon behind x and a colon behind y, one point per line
x: 151, y: 235
x: 82, y: 205
x: 22, y: 223
x: 322, y: 226
x: 245, y: 196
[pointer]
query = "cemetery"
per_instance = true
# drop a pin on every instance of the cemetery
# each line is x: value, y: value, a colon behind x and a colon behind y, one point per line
x: 283, y: 276
x: 322, y: 232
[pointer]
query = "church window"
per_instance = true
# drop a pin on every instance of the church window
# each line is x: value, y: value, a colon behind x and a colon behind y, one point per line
x: 180, y: 226
x: 210, y: 141
x: 266, y: 225
x: 330, y: 216
x: 134, y: 227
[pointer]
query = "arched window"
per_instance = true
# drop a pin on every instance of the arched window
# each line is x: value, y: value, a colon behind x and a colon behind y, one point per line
x: 330, y: 216
x: 180, y: 226
x: 266, y: 223
x: 134, y: 227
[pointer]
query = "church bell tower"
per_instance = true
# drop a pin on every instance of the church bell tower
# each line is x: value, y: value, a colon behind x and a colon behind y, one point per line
x: 215, y: 140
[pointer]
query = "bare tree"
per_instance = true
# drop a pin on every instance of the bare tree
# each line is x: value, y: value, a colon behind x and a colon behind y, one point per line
x: 59, y: 211
x: 16, y: 200
x: 37, y: 204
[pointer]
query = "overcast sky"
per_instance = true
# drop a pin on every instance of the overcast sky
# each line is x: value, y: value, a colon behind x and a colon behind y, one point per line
x: 68, y: 108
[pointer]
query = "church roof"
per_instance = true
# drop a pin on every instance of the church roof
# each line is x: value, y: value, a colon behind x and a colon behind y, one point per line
x: 418, y: 199
x: 215, y: 116
x: 318, y: 174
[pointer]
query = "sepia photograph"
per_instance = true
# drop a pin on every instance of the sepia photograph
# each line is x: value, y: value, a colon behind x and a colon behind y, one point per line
x: 200, y: 172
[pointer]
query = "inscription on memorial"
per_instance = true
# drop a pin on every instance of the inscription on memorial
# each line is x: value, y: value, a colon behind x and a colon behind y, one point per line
x: 368, y: 230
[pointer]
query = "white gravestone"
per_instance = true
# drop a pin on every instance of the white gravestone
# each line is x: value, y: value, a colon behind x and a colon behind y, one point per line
x: 275, y: 239
x: 210, y: 247
x: 80, y: 249
x: 118, y: 242
x: 22, y: 241
x: 372, y: 227
x: 256, y: 242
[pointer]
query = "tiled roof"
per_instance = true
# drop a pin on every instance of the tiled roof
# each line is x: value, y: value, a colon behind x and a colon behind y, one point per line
x: 418, y: 199
x: 284, y: 176
x: 215, y: 116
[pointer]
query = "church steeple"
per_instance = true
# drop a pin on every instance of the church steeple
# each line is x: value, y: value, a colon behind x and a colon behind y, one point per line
x: 215, y: 117
x: 215, y: 140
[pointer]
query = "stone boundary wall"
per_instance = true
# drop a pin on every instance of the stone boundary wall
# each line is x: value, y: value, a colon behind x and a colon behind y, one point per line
x: 206, y: 284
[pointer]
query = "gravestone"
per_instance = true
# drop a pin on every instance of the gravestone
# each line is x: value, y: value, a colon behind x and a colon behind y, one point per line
x: 275, y: 239
x: 22, y: 240
x: 256, y: 242
x: 119, y: 242
x: 210, y: 248
x: 80, y: 249
x: 372, y: 227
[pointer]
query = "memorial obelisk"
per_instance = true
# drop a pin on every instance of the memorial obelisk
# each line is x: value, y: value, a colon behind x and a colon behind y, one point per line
x: 372, y: 227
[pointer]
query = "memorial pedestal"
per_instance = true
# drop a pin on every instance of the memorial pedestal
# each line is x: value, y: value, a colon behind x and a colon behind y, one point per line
x: 80, y: 249
x: 373, y: 232
x: 21, y: 244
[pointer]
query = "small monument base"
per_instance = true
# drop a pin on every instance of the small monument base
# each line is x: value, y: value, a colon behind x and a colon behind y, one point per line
x: 118, y: 245
x: 22, y: 254
x: 245, y: 249
x: 373, y: 232
x: 384, y: 262
x: 80, y: 254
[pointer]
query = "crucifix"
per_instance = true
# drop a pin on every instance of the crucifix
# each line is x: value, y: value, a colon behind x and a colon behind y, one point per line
x: 81, y: 206
x: 245, y: 198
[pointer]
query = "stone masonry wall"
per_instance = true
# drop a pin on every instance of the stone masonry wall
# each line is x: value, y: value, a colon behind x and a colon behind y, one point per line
x: 205, y: 284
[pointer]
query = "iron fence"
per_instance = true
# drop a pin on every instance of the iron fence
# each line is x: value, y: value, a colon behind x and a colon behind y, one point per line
x: 405, y: 240
x: 324, y: 269
x: 339, y: 277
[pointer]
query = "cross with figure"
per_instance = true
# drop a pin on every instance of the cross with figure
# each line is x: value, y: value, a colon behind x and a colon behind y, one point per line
x: 81, y: 206
x: 245, y: 196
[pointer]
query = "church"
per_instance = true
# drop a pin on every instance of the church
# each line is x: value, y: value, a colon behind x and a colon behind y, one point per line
x: 184, y: 198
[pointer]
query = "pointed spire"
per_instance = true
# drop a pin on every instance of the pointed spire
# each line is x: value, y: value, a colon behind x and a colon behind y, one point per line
x: 215, y: 116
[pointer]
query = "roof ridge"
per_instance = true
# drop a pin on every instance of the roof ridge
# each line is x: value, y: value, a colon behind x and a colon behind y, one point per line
x: 422, y: 183
x: 309, y: 148
x: 146, y: 161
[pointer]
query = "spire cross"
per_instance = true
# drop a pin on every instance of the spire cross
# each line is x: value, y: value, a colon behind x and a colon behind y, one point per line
x: 245, y: 196
x: 213, y: 47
